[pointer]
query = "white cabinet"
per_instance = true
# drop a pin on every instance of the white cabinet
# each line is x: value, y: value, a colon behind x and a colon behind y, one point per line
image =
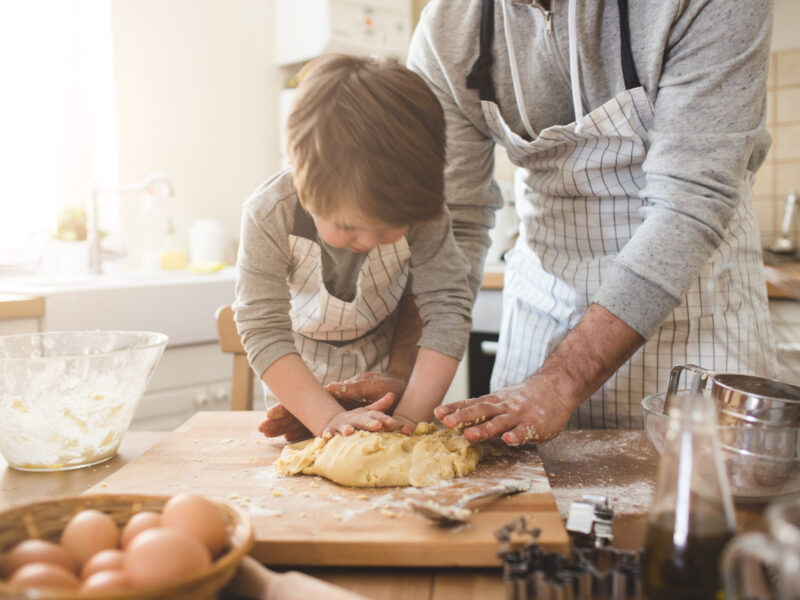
x: 186, y: 380
x: 309, y: 28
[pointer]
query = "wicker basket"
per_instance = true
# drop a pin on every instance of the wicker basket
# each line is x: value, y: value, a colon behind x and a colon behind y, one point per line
x: 46, y: 520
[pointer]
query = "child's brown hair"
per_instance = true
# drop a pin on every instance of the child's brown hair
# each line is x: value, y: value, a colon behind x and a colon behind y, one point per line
x: 370, y: 134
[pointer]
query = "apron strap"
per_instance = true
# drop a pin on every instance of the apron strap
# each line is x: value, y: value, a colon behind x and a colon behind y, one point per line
x: 480, y: 76
x: 628, y: 66
x: 303, y: 225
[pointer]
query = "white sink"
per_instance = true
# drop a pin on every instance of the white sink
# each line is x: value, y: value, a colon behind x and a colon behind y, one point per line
x: 178, y: 303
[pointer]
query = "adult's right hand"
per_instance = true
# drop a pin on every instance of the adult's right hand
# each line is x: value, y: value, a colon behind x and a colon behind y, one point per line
x: 532, y: 411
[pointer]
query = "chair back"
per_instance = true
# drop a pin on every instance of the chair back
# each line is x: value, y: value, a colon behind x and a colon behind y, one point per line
x: 230, y: 341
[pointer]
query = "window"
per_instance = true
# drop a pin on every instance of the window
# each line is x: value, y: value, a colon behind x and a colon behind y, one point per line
x: 57, y: 117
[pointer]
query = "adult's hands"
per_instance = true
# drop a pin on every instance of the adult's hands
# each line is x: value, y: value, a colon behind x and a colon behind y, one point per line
x: 539, y: 408
x: 530, y: 412
x: 365, y: 388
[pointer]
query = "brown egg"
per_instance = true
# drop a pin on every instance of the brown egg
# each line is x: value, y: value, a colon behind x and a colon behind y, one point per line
x: 44, y: 575
x: 138, y: 523
x: 163, y: 554
x: 33, y: 551
x: 105, y: 560
x: 89, y: 532
x: 197, y: 516
x: 107, y: 581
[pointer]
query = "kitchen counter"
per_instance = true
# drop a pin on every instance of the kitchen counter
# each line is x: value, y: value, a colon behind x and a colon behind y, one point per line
x: 180, y: 304
x: 20, y: 306
x: 619, y: 464
x: 783, y: 280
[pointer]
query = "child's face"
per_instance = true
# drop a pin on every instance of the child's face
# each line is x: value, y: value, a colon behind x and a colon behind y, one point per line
x: 348, y: 230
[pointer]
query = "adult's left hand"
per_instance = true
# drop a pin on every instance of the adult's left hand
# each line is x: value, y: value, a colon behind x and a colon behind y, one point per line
x: 532, y: 411
x: 366, y: 388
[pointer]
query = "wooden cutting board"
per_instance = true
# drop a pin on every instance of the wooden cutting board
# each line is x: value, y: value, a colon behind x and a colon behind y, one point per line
x: 305, y: 520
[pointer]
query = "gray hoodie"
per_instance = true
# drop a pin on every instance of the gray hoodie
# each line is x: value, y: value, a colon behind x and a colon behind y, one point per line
x: 703, y: 63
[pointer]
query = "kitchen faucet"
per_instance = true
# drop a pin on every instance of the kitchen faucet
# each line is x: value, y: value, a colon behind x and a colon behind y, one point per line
x: 148, y: 184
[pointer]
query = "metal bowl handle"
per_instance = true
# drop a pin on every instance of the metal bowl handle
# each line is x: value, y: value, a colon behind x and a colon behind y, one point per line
x: 675, y: 379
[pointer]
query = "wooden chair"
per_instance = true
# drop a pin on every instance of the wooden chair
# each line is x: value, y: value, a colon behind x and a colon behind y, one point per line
x: 230, y: 341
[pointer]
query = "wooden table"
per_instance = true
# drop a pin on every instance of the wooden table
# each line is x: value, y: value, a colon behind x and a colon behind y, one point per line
x: 619, y: 464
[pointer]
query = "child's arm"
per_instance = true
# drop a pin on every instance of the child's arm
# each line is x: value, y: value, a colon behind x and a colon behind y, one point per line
x: 299, y: 391
x: 432, y: 374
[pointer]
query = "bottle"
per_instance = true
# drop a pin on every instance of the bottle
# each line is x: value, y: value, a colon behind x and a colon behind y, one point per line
x: 173, y: 255
x: 692, y: 515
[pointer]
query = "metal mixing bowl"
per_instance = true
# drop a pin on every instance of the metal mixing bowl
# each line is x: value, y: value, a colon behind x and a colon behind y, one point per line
x: 68, y: 397
x: 763, y: 461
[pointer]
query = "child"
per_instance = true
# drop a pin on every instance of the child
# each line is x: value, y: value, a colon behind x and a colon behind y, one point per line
x: 330, y: 246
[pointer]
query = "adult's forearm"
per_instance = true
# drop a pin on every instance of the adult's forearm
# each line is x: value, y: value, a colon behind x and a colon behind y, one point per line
x: 595, y: 348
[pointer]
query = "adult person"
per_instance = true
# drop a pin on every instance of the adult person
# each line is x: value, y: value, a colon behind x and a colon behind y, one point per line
x: 637, y: 130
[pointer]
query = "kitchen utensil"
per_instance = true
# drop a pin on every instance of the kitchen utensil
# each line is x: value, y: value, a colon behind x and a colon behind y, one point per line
x: 779, y: 552
x: 763, y: 463
x: 254, y: 580
x: 305, y: 520
x: 45, y: 520
x: 766, y: 399
x: 691, y: 518
x: 784, y: 244
x: 68, y: 397
x: 458, y: 512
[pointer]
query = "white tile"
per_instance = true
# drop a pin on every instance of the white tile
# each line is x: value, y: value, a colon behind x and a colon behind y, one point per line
x: 764, y: 184
x: 787, y: 70
x: 787, y: 105
x: 787, y: 142
x: 787, y: 177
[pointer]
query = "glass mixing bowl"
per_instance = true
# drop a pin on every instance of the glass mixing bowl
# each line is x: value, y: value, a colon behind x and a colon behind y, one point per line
x: 68, y: 397
x: 762, y: 460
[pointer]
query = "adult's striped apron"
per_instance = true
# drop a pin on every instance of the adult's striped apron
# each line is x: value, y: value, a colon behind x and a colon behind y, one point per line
x: 577, y: 197
x: 338, y: 339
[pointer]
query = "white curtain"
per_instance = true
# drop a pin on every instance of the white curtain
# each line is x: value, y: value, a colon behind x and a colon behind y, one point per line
x: 57, y: 117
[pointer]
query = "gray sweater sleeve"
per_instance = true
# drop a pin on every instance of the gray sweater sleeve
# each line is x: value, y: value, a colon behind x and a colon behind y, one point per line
x: 440, y: 286
x: 262, y: 292
x: 710, y: 112
x: 470, y: 189
x: 703, y: 64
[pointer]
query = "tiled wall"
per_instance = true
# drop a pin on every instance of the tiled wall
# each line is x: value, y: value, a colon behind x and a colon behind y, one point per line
x: 781, y: 171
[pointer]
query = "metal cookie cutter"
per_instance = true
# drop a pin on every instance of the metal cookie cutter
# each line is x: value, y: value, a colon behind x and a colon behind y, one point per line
x: 593, y: 570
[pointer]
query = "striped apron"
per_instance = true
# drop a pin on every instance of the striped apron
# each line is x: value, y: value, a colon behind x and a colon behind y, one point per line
x: 577, y: 197
x: 338, y: 339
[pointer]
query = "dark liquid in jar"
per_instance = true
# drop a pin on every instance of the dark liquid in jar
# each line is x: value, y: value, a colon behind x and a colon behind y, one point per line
x: 688, y: 573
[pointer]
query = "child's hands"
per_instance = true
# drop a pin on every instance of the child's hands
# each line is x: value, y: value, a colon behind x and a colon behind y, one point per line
x: 368, y: 418
x: 407, y: 425
x: 280, y: 422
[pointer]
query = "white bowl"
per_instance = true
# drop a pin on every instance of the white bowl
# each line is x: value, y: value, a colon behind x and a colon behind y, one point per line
x: 68, y: 397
